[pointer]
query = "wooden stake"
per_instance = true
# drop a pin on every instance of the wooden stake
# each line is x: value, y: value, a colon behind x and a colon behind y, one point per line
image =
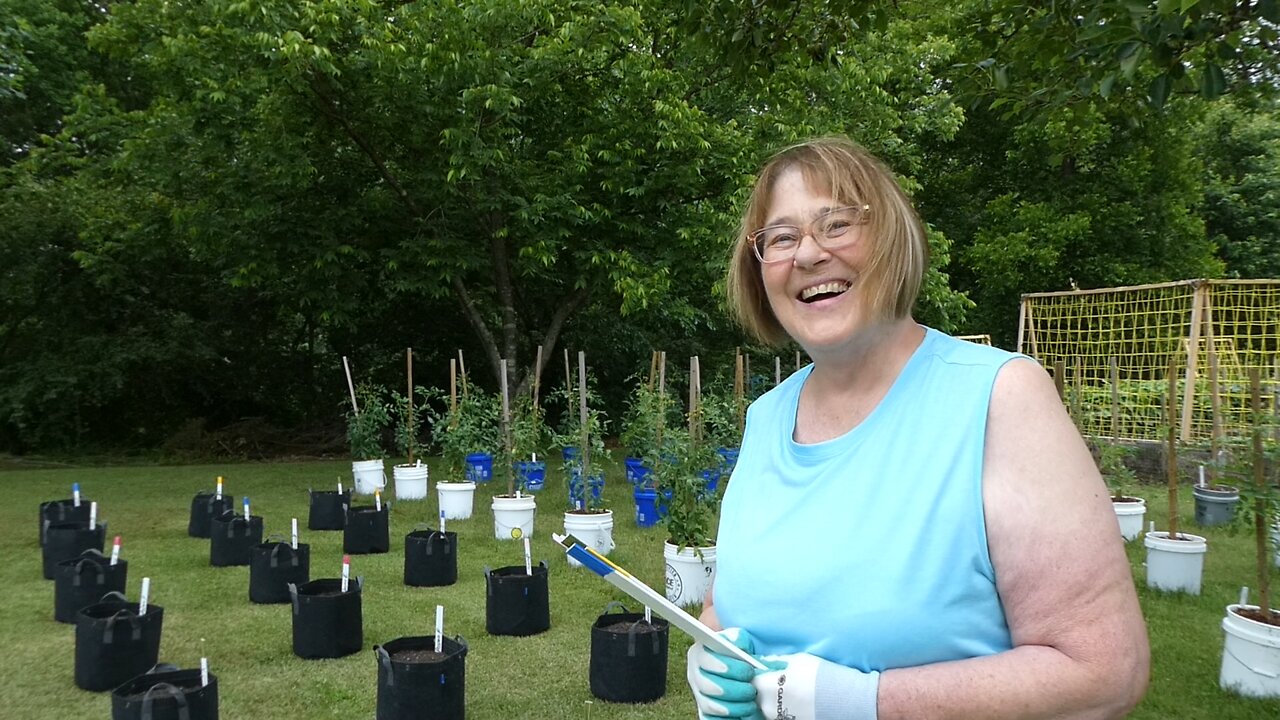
x: 537, y: 378
x: 662, y: 395
x: 1260, y: 514
x: 1114, y: 366
x: 408, y: 360
x: 1059, y: 382
x: 1077, y: 386
x: 653, y: 368
x: 1215, y: 414
x: 568, y: 381
x: 453, y: 386
x: 351, y: 386
x: 777, y: 371
x: 506, y: 428
x: 462, y: 372
x: 582, y: 421
x: 797, y: 361
x: 1172, y: 449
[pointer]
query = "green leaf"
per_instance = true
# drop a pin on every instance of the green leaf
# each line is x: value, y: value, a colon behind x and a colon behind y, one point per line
x: 1158, y: 90
x: 1213, y: 82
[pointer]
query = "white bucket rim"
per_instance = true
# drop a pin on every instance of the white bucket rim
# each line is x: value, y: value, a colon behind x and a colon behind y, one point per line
x: 410, y: 472
x: 669, y: 550
x: 367, y: 464
x: 1208, y: 493
x: 1129, y: 503
x: 1251, y: 630
x: 454, y: 486
x: 515, y: 504
x: 1159, y: 540
x: 1128, y: 508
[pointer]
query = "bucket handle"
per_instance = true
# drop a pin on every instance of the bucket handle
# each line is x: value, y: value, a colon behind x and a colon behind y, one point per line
x: 1273, y: 674
x: 384, y: 659
x: 149, y: 697
x: 108, y: 634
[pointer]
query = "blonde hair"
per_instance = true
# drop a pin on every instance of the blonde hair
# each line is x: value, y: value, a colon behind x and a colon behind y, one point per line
x: 899, y: 252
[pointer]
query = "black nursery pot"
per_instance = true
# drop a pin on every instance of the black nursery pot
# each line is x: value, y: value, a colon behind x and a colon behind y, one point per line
x: 61, y: 511
x: 83, y: 580
x: 430, y: 558
x: 168, y: 695
x: 66, y: 540
x: 327, y: 623
x: 628, y: 657
x: 204, y: 508
x: 114, y: 643
x: 368, y: 530
x: 272, y: 566
x: 429, y: 690
x: 517, y: 604
x: 328, y: 509
x: 232, y: 539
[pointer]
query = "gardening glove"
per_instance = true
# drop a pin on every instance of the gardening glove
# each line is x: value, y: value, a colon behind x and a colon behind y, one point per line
x: 806, y: 687
x: 721, y: 684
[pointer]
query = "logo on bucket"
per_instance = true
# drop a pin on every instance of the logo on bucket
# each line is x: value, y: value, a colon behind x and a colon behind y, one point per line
x: 675, y: 586
x: 516, y: 533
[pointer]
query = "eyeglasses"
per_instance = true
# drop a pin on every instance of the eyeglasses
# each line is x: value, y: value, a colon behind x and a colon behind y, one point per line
x: 831, y: 230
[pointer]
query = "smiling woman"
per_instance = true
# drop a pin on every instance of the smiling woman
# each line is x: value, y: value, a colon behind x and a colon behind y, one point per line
x: 997, y: 586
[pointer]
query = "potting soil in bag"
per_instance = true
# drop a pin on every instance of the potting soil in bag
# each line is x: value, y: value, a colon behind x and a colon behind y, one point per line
x: 368, y: 529
x: 430, y: 558
x: 328, y: 509
x: 327, y: 623
x: 517, y: 603
x: 628, y: 657
x: 206, y: 506
x: 83, y: 580
x: 166, y: 695
x: 114, y: 643
x: 272, y: 566
x: 54, y: 511
x: 417, y: 683
x: 66, y: 540
x: 232, y: 538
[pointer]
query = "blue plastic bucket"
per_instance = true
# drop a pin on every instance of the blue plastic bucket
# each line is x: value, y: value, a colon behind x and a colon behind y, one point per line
x: 595, y: 482
x: 646, y: 507
x: 569, y: 455
x: 479, y: 467
x: 728, y: 460
x: 634, y: 466
x: 531, y: 476
x: 711, y: 478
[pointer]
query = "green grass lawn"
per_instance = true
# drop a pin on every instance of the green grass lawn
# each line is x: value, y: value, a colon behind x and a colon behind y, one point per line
x: 207, y: 611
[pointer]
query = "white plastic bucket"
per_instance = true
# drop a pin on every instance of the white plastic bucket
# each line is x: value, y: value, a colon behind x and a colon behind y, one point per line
x: 1175, y: 565
x: 411, y: 481
x: 688, y: 575
x: 1250, y: 656
x: 369, y: 476
x: 596, y: 530
x: 513, y: 517
x: 455, y: 499
x: 1130, y: 516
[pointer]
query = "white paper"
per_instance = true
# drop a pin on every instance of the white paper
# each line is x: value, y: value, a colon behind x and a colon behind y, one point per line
x: 93, y: 515
x: 144, y: 596
x: 439, y: 628
x: 528, y: 558
x: 295, y: 533
x: 204, y: 671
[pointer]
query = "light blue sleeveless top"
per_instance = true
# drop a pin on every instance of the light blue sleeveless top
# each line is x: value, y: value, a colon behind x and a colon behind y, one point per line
x: 870, y: 549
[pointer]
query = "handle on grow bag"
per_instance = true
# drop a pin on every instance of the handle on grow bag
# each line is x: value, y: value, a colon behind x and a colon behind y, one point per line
x: 114, y: 596
x: 79, y: 570
x: 148, y: 699
x: 275, y: 554
x: 162, y: 667
x: 631, y: 639
x: 613, y: 604
x: 384, y: 659
x: 135, y: 624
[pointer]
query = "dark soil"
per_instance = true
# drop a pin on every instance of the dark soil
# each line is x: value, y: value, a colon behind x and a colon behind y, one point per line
x: 1124, y: 499
x: 623, y: 628
x: 586, y: 512
x: 1271, y: 618
x: 418, y: 656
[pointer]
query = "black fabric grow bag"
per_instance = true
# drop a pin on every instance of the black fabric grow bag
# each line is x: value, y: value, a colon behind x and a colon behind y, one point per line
x: 327, y: 623
x: 166, y: 695
x: 272, y: 566
x: 232, y: 538
x: 114, y: 643
x: 205, y: 506
x: 430, y: 558
x: 328, y: 509
x: 628, y: 665
x: 368, y: 529
x: 83, y: 580
x: 516, y: 603
x: 422, y: 690
x: 66, y: 540
x: 54, y: 511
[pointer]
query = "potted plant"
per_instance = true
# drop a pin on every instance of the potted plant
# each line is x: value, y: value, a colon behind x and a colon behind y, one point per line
x: 1175, y: 561
x: 514, y: 510
x: 689, y: 515
x: 411, y: 477
x: 530, y: 438
x: 366, y: 422
x: 1130, y: 510
x: 465, y: 427
x: 1251, y: 652
x: 587, y: 518
x: 639, y: 436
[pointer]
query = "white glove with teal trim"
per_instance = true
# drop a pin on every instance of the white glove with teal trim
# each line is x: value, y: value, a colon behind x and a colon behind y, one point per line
x: 806, y: 687
x: 722, y: 684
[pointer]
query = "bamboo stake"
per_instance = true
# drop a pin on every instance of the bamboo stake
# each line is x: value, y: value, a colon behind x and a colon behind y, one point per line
x: 1260, y: 501
x: 351, y: 386
x: 462, y: 372
x: 797, y: 361
x: 453, y: 393
x: 653, y: 368
x: 506, y: 428
x: 1215, y: 417
x: 582, y: 421
x: 1114, y: 366
x: 777, y: 371
x: 408, y: 359
x: 662, y: 395
x: 1172, y: 451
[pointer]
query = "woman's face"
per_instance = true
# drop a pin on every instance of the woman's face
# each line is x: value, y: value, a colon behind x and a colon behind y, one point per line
x: 816, y: 296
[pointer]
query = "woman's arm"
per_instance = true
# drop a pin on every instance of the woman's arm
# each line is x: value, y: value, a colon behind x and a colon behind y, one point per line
x: 708, y: 615
x: 1080, y: 644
